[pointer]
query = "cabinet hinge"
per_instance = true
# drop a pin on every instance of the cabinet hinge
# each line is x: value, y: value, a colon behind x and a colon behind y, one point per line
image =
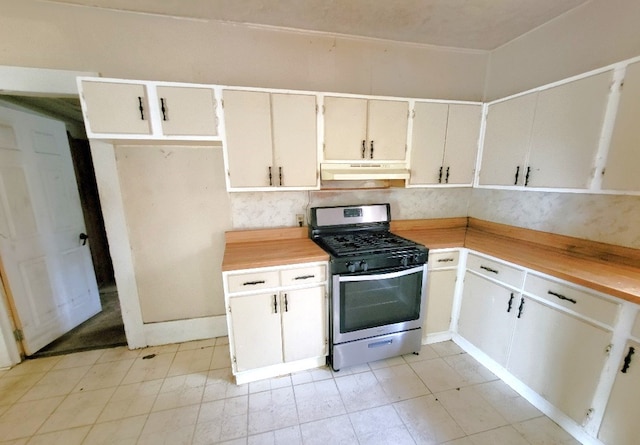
x: 229, y: 309
x: 234, y: 359
x: 607, y: 350
x: 18, y: 335
x: 222, y: 103
x: 589, y: 414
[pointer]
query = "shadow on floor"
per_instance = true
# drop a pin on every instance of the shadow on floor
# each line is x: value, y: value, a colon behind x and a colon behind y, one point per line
x: 103, y: 330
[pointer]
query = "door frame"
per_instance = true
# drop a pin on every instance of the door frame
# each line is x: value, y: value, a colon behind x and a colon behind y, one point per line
x: 38, y: 82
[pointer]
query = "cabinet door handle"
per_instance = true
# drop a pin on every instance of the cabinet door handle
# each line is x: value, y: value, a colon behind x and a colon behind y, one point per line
x: 440, y: 176
x: 445, y: 260
x: 627, y: 360
x: 488, y: 269
x: 270, y: 177
x: 371, y: 153
x: 304, y: 277
x: 163, y: 108
x: 364, y: 148
x: 275, y: 304
x: 141, y: 107
x: 515, y: 182
x: 526, y: 177
x: 446, y: 178
x: 510, y: 304
x: 521, y: 307
x: 562, y: 297
x: 253, y: 283
x: 280, y: 175
x: 286, y: 303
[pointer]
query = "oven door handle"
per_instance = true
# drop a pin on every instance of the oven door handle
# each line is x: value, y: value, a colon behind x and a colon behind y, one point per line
x: 381, y: 276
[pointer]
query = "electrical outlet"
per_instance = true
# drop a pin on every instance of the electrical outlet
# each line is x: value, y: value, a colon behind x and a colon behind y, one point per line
x: 300, y: 219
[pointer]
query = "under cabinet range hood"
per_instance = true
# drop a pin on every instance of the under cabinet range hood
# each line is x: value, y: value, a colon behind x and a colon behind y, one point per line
x: 362, y: 172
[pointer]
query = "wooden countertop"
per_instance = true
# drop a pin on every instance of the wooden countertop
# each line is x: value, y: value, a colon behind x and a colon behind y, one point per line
x: 613, y: 270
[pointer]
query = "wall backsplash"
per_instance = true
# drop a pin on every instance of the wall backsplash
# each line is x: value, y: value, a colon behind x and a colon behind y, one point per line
x: 609, y: 219
x: 278, y: 209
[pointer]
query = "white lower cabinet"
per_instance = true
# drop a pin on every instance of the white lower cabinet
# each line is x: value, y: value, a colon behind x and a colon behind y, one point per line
x: 279, y: 329
x: 441, y: 282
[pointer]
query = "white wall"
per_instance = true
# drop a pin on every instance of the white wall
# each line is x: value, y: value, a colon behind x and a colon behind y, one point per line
x: 597, y: 34
x: 138, y: 46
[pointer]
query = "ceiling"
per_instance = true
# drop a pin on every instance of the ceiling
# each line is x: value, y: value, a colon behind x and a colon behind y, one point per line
x: 469, y: 24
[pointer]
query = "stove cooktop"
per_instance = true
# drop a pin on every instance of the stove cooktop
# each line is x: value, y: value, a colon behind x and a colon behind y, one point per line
x: 364, y: 243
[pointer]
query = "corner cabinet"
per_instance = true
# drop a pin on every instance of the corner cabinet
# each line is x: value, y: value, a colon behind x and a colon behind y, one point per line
x: 271, y: 139
x: 277, y: 319
x: 444, y: 143
x: 548, y: 138
x: 360, y: 129
x: 116, y: 109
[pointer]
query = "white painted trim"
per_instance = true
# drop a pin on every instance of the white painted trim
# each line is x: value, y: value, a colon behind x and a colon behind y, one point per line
x: 104, y: 160
x: 279, y: 369
x: 437, y: 337
x: 9, y: 353
x: 35, y: 81
x: 179, y: 331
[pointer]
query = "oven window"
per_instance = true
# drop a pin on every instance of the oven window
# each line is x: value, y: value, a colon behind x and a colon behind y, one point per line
x: 372, y: 303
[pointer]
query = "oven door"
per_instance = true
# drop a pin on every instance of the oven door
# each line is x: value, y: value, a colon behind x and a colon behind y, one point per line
x: 378, y: 303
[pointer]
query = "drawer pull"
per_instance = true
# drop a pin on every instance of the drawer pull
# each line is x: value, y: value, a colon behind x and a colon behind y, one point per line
x: 510, y: 304
x: 304, y: 277
x: 253, y: 283
x: 488, y: 269
x: 521, y: 307
x: 562, y: 297
x: 627, y: 360
x: 445, y: 260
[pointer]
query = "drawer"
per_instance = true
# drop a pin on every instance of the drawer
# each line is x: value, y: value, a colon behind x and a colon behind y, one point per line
x: 247, y: 282
x: 635, y: 331
x: 580, y: 301
x: 302, y: 275
x: 499, y: 271
x: 438, y: 260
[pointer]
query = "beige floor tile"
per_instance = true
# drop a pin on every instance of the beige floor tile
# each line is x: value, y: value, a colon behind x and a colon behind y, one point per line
x: 438, y: 375
x: 57, y: 382
x: 197, y: 344
x: 462, y: 441
x: 380, y: 425
x: 356, y: 369
x: 78, y: 409
x: 220, y: 385
x: 131, y: 400
x: 284, y: 436
x: 446, y: 348
x: 119, y: 353
x: 221, y: 358
x: 393, y: 361
x: 170, y: 427
x: 361, y: 391
x: 512, y: 406
x: 117, y: 432
x: 469, y: 368
x: 12, y: 388
x: 426, y: 353
x: 400, y: 382
x: 23, y: 419
x: 222, y: 341
x: 182, y: 390
x: 34, y: 366
x: 269, y: 384
x: 503, y: 435
x: 335, y: 431
x: 312, y: 375
x: 152, y: 368
x: 22, y: 441
x: 271, y: 410
x: 427, y: 420
x: 104, y: 375
x: 544, y: 431
x: 74, y: 436
x: 191, y: 360
x: 78, y: 359
x: 163, y: 349
x: 318, y: 400
x: 470, y: 410
x: 222, y: 420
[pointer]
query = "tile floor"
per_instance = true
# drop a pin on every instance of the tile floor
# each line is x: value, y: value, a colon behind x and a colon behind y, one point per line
x: 185, y: 395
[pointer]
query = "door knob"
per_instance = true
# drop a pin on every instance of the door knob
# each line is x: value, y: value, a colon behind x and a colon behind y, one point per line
x: 83, y: 237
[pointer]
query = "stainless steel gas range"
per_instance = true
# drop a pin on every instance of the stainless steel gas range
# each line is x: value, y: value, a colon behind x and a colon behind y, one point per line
x: 378, y: 285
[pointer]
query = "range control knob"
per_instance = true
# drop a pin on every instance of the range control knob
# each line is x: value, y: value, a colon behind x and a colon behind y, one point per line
x: 404, y: 261
x: 364, y: 266
x: 351, y: 267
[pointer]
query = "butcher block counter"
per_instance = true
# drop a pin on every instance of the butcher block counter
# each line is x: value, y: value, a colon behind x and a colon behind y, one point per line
x: 610, y: 269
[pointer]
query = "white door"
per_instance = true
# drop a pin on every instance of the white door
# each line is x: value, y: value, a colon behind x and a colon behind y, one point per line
x: 345, y: 128
x: 387, y: 130
x: 427, y: 146
x: 463, y: 132
x: 304, y: 331
x: 48, y: 269
x: 442, y: 284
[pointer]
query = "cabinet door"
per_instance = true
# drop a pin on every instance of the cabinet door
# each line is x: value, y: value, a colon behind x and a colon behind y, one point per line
x: 559, y: 356
x: 620, y: 424
x: 116, y: 108
x: 506, y: 141
x: 247, y: 116
x: 442, y: 284
x: 187, y: 111
x: 304, y: 323
x: 487, y: 316
x: 427, y: 142
x: 463, y: 132
x: 387, y: 130
x: 257, y: 338
x: 621, y: 171
x: 295, y: 139
x: 345, y: 127
x: 566, y: 132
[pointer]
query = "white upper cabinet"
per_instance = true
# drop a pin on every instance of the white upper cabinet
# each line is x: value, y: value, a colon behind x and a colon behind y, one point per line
x: 621, y: 170
x: 548, y: 138
x: 148, y: 110
x: 359, y: 129
x: 444, y: 143
x: 271, y: 139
